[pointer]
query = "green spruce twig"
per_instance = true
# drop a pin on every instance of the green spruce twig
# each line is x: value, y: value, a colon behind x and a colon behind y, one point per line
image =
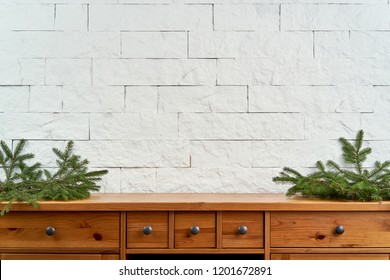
x: 333, y: 182
x: 26, y: 183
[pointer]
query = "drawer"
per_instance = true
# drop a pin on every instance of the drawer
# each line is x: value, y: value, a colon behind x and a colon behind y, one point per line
x: 329, y: 256
x: 59, y: 257
x: 251, y: 225
x: 81, y: 230
x: 147, y: 230
x: 186, y: 224
x: 318, y: 229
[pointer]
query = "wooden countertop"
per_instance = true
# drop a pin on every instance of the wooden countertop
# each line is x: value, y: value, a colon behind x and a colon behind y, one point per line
x: 201, y: 202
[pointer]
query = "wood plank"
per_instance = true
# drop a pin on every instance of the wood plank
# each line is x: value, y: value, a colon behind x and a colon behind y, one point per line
x: 201, y: 202
x: 267, y: 235
x: 196, y: 251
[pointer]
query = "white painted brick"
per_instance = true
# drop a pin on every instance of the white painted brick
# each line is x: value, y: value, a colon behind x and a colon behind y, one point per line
x: 71, y: 17
x: 138, y: 180
x: 382, y: 100
x: 26, y: 17
x: 94, y: 99
x: 14, y: 99
x: 222, y: 154
x: 141, y: 99
x: 333, y: 44
x: 202, y: 99
x: 340, y: 71
x: 61, y: 1
x: 154, y: 72
x: 44, y: 126
x: 311, y: 99
x: 376, y: 126
x: 53, y: 44
x: 76, y: 72
x: 111, y: 182
x: 146, y: 1
x: 45, y: 99
x: 328, y: 126
x: 163, y: 17
x: 228, y: 180
x: 133, y: 126
x: 295, y: 153
x: 154, y: 44
x: 145, y: 153
x: 280, y: 1
x: 241, y: 126
x: 225, y: 44
x: 43, y: 152
x: 335, y: 17
x: 380, y: 152
x: 22, y: 71
x: 370, y: 44
x: 246, y: 17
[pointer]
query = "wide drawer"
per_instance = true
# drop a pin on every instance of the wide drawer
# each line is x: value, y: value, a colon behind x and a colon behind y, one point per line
x: 242, y: 230
x: 330, y: 229
x: 147, y: 230
x: 195, y: 229
x: 329, y: 256
x: 60, y: 230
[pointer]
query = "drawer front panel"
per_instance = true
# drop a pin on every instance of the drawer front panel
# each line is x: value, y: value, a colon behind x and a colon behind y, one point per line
x: 59, y: 257
x: 156, y: 223
x: 300, y: 229
x: 329, y: 256
x: 252, y: 221
x: 206, y: 223
x: 72, y: 230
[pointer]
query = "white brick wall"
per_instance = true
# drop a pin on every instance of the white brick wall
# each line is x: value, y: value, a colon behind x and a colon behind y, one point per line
x: 195, y: 95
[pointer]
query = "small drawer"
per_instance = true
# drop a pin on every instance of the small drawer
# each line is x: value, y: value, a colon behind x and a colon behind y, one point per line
x: 242, y: 229
x: 195, y: 230
x: 330, y: 229
x: 60, y: 230
x: 147, y: 230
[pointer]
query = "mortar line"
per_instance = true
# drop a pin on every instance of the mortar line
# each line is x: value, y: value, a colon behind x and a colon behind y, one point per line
x: 87, y: 17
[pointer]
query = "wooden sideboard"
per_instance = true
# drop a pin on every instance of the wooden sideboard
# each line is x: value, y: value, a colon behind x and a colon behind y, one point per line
x: 236, y: 226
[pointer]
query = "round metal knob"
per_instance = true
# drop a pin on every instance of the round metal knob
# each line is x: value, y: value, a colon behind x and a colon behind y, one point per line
x: 148, y: 230
x: 339, y: 229
x: 50, y: 231
x: 195, y: 230
x: 242, y: 230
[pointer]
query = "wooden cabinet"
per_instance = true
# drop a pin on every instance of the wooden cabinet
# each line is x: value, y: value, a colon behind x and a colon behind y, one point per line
x: 260, y: 226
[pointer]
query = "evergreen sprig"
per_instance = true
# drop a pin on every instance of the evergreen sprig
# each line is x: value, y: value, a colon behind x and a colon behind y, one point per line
x: 333, y: 182
x: 29, y: 183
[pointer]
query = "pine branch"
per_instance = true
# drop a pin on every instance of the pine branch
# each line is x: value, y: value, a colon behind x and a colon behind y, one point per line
x: 339, y: 183
x: 24, y: 182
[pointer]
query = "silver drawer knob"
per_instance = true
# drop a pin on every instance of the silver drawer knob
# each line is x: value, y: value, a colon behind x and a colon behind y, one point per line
x: 195, y: 230
x: 148, y: 230
x: 242, y: 230
x: 50, y: 231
